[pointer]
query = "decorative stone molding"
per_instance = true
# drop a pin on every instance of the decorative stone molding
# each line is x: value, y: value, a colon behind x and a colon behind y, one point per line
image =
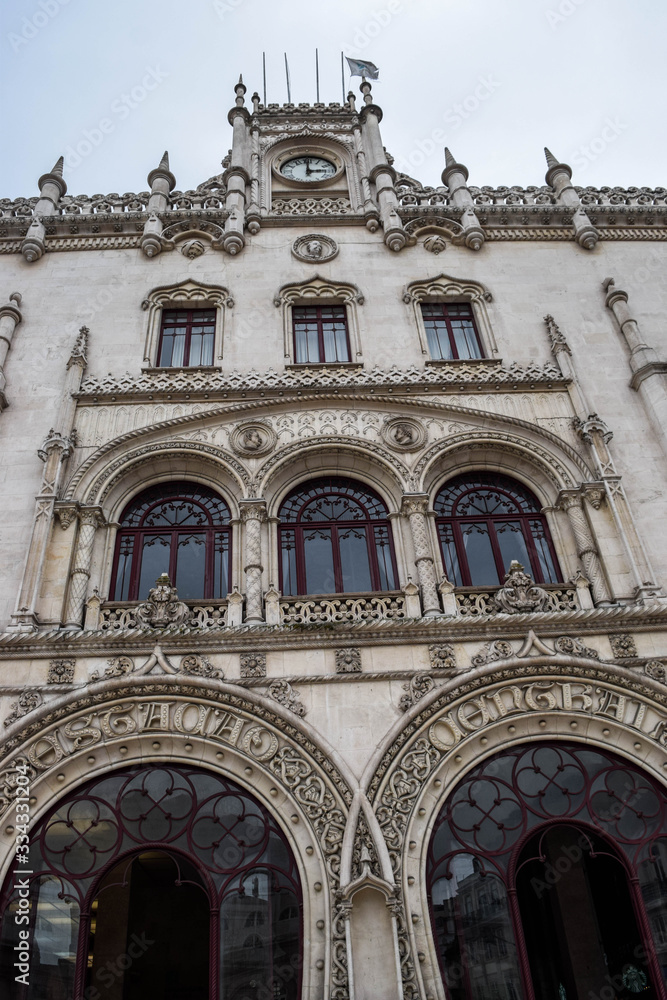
x: 119, y: 666
x: 445, y: 288
x: 331, y: 610
x: 195, y: 665
x: 348, y: 660
x: 656, y: 670
x: 403, y: 434
x: 57, y: 442
x: 519, y: 593
x: 187, y: 294
x: 622, y: 645
x: 253, y: 439
x: 27, y: 702
x: 320, y: 290
x: 163, y: 607
x: 442, y: 657
x: 416, y: 688
x: 61, y: 671
x: 282, y: 692
x: 314, y: 248
x: 253, y: 664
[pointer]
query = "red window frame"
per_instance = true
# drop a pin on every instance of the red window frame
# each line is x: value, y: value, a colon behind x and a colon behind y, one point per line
x: 376, y: 518
x: 323, y: 314
x: 194, y: 318
x: 439, y: 315
x: 215, y: 532
x: 520, y: 496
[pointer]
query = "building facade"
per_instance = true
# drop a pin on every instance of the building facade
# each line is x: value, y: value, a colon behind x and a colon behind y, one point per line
x: 333, y: 608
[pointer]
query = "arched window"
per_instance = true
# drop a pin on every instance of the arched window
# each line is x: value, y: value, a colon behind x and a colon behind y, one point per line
x: 153, y: 871
x: 335, y: 538
x: 484, y: 522
x: 176, y: 528
x: 544, y: 878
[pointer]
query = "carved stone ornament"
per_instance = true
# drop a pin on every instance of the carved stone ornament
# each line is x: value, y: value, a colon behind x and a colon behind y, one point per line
x: 61, y: 672
x: 119, y: 666
x: 254, y: 439
x: 253, y: 665
x: 435, y: 244
x: 442, y: 657
x: 195, y: 665
x: 656, y: 670
x: 27, y: 701
x: 314, y: 248
x: 282, y: 692
x: 622, y: 646
x: 403, y: 434
x: 192, y: 249
x: 348, y: 660
x: 163, y: 607
x: 420, y: 685
x: 519, y: 593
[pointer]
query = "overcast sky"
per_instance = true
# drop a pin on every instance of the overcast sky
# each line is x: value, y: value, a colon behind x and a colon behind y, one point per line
x: 113, y: 84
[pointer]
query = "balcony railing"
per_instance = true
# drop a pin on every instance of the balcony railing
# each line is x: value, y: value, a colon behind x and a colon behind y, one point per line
x: 116, y: 616
x: 471, y: 602
x: 330, y: 609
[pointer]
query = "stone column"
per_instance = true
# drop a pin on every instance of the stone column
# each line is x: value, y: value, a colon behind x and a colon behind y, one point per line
x: 559, y: 177
x: 572, y: 503
x: 380, y: 172
x: 89, y: 520
x: 52, y: 188
x: 10, y: 317
x: 415, y: 507
x: 162, y: 182
x: 253, y: 514
x: 237, y: 176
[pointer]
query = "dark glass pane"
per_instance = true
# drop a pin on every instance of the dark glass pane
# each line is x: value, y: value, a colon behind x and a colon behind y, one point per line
x: 191, y: 565
x: 318, y: 559
x: 465, y: 339
x: 175, y: 503
x: 479, y: 554
x: 173, y: 347
x: 653, y: 884
x: 335, y: 341
x: 221, y: 565
x: 387, y: 580
x: 288, y: 563
x: 355, y: 567
x: 449, y: 555
x: 360, y: 501
x: 155, y: 554
x: 333, y: 508
x: 491, y: 493
x: 125, y: 550
x: 176, y: 512
x: 438, y: 340
x: 512, y: 544
x: 474, y: 935
x: 539, y: 533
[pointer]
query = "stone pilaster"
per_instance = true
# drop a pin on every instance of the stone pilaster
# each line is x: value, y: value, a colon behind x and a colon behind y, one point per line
x: 253, y: 514
x: 415, y: 507
x: 10, y: 317
x: 571, y: 502
x: 89, y: 520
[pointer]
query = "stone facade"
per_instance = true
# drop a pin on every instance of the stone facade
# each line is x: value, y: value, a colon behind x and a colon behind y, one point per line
x: 351, y: 718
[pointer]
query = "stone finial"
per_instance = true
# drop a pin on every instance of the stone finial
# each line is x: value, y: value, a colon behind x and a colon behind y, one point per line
x: 551, y: 159
x: 555, y: 167
x: 53, y: 177
x: 162, y: 173
x: 240, y: 90
x: 365, y: 89
x: 79, y: 353
x: 58, y: 166
x: 558, y: 340
x: 519, y: 593
x: 451, y: 167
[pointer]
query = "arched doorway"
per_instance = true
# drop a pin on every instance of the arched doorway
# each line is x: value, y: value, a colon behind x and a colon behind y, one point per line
x: 545, y: 878
x: 165, y: 881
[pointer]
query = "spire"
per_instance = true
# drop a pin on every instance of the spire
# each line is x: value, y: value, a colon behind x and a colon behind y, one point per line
x: 449, y: 159
x: 57, y: 168
x: 240, y: 90
x: 551, y: 159
x: 161, y: 172
x: 164, y: 162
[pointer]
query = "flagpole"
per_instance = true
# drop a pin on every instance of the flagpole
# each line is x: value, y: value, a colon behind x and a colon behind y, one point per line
x: 342, y: 76
x: 317, y: 76
x: 264, y: 74
x: 289, y: 92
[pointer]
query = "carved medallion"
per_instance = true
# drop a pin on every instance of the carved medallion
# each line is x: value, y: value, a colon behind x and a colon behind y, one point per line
x: 314, y: 248
x: 253, y: 439
x: 403, y: 433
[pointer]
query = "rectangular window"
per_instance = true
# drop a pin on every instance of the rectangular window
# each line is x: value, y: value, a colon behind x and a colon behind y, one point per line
x: 186, y: 338
x: 451, y: 331
x: 320, y: 334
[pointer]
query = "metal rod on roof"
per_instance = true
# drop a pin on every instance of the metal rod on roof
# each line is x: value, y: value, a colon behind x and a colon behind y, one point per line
x: 342, y: 76
x: 317, y: 76
x: 264, y: 74
x: 289, y: 92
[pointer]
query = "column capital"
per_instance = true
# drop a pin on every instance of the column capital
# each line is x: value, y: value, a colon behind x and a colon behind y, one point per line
x: 253, y: 510
x: 414, y: 503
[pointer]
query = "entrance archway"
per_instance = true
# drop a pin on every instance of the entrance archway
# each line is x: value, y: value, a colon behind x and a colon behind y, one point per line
x: 163, y: 880
x: 545, y: 878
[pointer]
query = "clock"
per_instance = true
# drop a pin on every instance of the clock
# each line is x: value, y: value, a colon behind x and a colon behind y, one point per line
x: 308, y: 168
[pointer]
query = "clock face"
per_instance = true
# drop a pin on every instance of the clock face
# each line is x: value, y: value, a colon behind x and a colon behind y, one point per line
x: 308, y: 168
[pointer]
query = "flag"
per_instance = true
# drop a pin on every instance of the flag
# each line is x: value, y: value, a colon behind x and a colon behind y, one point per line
x: 360, y: 68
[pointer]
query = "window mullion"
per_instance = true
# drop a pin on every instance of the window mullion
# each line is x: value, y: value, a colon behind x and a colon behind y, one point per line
x: 338, y: 570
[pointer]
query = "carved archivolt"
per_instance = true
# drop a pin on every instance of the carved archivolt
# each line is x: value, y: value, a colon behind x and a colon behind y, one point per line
x: 445, y: 288
x: 186, y: 294
x: 262, y: 747
x: 542, y: 691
